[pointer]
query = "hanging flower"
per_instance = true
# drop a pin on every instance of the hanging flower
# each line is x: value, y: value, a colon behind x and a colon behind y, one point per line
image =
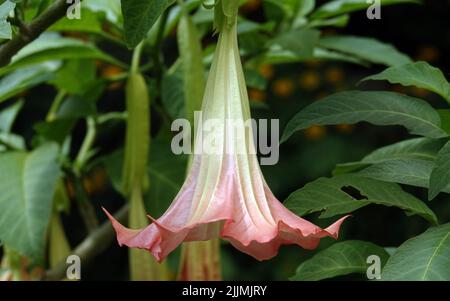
x: 225, y: 194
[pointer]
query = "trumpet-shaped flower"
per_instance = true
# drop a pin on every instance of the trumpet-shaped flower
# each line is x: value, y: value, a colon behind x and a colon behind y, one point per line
x: 225, y: 194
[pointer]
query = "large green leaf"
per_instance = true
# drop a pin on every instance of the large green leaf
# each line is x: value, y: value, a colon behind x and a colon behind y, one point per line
x: 440, y: 176
x: 294, y: 8
x: 337, y: 7
x: 172, y: 92
x: 8, y: 115
x: 424, y: 257
x: 340, y: 259
x: 419, y: 74
x: 445, y: 119
x: 111, y: 9
x: 414, y: 172
x: 377, y: 107
x: 416, y: 148
x: 300, y: 42
x: 167, y: 173
x: 346, y: 193
x: 76, y: 76
x: 139, y: 16
x: 50, y: 47
x: 27, y: 182
x: 5, y: 27
x: 90, y: 23
x: 26, y: 78
x: 368, y: 49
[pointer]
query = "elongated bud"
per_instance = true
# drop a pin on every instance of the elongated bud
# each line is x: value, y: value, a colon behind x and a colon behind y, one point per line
x: 58, y: 246
x: 135, y: 177
x: 137, y: 139
x: 190, y: 49
x: 142, y: 264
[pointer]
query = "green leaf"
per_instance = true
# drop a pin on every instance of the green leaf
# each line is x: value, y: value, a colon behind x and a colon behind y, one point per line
x: 55, y: 130
x: 414, y: 172
x: 376, y: 107
x: 346, y: 193
x: 294, y: 8
x: 300, y: 42
x: 340, y: 21
x: 305, y: 7
x: 76, y: 76
x: 416, y: 148
x: 419, y: 74
x: 13, y: 141
x: 76, y: 106
x: 27, y: 182
x: 445, y: 119
x: 5, y: 26
x: 337, y: 7
x: 71, y: 109
x: 340, y: 259
x: 8, y: 115
x: 172, y: 93
x: 254, y: 79
x: 89, y: 23
x: 440, y: 176
x: 26, y: 78
x: 368, y: 49
x: 111, y: 9
x: 166, y: 172
x: 325, y: 54
x: 50, y: 47
x: 424, y: 257
x: 139, y: 17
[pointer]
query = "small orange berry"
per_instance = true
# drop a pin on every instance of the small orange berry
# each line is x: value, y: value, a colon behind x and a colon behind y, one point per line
x: 283, y: 87
x: 428, y: 54
x: 334, y: 75
x: 419, y: 92
x: 399, y: 89
x: 250, y: 6
x: 266, y: 71
x: 345, y: 128
x: 313, y: 62
x: 257, y: 95
x: 110, y: 71
x: 70, y: 189
x: 99, y: 179
x: 321, y: 95
x: 88, y: 186
x: 309, y: 80
x: 315, y: 132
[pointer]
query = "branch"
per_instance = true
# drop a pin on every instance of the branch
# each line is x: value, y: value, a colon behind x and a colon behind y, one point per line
x: 29, y: 32
x: 96, y: 243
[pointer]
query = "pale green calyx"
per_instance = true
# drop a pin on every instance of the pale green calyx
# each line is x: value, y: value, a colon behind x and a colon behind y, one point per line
x: 225, y: 13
